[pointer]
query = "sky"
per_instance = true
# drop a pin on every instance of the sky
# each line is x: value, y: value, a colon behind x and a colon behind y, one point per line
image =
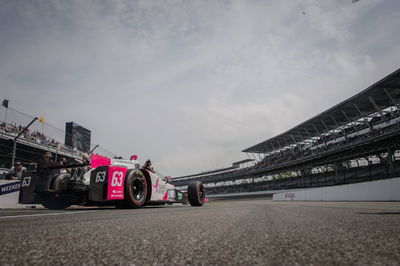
x: 190, y: 84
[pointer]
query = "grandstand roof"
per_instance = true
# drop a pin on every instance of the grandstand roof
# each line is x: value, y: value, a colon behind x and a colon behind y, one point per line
x: 243, y: 161
x: 382, y: 94
x: 206, y: 172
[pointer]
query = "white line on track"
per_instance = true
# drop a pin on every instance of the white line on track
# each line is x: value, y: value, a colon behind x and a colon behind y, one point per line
x: 44, y: 214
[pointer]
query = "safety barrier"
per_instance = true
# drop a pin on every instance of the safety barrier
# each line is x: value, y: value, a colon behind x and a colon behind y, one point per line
x: 9, y: 194
x: 380, y: 190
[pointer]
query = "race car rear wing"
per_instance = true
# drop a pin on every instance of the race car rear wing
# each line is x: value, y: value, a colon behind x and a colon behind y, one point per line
x: 41, y: 181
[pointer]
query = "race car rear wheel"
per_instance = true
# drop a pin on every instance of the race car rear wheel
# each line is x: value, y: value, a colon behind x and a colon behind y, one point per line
x: 196, y: 194
x: 135, y: 189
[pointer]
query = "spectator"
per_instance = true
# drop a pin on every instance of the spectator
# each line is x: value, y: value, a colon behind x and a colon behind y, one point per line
x: 47, y: 156
x: 46, y: 162
x: 63, y: 161
x: 16, y: 171
x: 79, y: 173
x: 86, y: 160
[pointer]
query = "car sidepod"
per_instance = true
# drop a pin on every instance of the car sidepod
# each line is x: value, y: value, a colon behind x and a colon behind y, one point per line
x: 107, y: 183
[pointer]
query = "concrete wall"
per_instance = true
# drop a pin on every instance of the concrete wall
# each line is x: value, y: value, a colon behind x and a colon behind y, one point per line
x: 250, y: 194
x: 381, y: 190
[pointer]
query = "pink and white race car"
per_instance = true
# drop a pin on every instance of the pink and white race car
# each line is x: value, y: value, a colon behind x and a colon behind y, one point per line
x: 109, y: 182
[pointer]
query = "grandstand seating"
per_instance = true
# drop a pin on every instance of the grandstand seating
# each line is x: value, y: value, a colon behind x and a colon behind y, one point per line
x: 30, y: 146
x: 11, y: 129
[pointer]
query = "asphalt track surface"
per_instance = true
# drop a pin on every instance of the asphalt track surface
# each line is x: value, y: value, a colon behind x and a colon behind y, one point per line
x: 235, y: 232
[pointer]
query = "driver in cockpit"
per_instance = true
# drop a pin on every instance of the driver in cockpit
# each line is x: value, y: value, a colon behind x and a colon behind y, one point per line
x: 147, y: 166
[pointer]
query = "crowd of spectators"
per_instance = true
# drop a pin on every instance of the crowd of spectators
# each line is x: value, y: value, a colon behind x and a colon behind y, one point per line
x: 34, y: 136
x: 333, y: 142
x: 343, y: 176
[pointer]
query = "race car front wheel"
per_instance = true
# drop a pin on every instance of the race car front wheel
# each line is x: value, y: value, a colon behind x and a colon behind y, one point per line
x: 135, y: 189
x: 196, y: 193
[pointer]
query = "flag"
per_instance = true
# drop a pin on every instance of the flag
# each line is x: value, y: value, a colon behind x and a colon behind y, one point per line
x: 5, y: 103
x: 41, y: 119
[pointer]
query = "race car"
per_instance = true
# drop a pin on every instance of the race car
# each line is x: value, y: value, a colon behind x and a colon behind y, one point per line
x: 109, y: 182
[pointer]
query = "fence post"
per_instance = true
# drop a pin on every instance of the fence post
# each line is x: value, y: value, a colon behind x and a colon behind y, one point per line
x: 13, y: 153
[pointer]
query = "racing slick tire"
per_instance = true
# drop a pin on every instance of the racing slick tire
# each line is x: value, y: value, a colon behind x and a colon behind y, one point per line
x: 196, y: 194
x: 56, y: 202
x: 135, y: 189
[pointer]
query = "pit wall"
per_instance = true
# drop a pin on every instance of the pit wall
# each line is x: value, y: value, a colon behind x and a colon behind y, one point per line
x: 9, y: 193
x: 381, y: 190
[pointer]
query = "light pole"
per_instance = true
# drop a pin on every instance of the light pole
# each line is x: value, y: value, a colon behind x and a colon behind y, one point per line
x: 16, y: 138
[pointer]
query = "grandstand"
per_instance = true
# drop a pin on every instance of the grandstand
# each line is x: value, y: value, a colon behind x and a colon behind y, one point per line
x: 243, y: 164
x: 37, y: 140
x: 30, y: 147
x: 354, y: 141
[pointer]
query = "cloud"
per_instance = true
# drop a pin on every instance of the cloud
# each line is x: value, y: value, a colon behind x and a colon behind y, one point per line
x: 191, y: 83
x: 214, y: 133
